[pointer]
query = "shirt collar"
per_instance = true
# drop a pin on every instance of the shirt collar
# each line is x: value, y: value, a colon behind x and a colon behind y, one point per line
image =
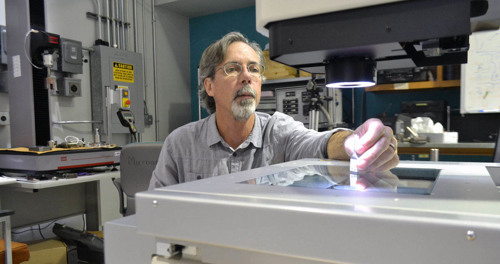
x: 255, y: 137
x: 213, y: 136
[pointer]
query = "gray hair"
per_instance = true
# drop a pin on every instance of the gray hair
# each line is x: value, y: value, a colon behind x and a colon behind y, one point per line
x: 213, y: 56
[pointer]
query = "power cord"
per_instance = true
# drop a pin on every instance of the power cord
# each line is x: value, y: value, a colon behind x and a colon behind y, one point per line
x: 25, y: 52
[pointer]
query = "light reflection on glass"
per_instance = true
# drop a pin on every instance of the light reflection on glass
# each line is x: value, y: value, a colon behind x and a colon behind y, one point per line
x: 401, y: 180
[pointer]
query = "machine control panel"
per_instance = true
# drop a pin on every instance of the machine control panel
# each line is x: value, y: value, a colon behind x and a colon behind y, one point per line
x: 291, y: 106
x: 123, y: 97
x: 294, y: 101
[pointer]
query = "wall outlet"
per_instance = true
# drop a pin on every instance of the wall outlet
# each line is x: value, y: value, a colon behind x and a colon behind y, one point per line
x: 4, y: 118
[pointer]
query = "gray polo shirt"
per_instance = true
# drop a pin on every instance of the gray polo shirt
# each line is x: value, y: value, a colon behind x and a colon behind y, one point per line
x: 197, y: 150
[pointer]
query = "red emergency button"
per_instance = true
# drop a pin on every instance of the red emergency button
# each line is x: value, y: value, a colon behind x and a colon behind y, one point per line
x: 127, y: 102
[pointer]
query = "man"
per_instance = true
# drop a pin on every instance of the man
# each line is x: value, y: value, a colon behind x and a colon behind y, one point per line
x: 235, y: 137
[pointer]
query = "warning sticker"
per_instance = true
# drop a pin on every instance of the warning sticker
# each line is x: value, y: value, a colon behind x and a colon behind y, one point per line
x: 123, y: 72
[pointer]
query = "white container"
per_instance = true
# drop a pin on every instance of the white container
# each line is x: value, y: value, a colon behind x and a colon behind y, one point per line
x: 445, y: 137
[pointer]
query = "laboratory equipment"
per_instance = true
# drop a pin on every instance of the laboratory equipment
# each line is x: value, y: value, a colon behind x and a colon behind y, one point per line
x: 116, y: 86
x: 304, y: 212
x: 35, y: 56
x: 436, y: 110
x: 37, y: 164
x: 127, y: 119
x: 294, y: 98
x: 362, y: 36
x: 294, y: 101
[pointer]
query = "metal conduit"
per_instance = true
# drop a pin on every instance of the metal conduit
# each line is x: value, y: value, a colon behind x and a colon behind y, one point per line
x: 153, y: 21
x: 134, y: 11
x: 113, y: 25
x: 123, y: 24
x: 108, y: 24
x: 99, y: 29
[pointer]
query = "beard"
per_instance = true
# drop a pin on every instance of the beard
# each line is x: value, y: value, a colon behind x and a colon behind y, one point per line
x: 243, y: 109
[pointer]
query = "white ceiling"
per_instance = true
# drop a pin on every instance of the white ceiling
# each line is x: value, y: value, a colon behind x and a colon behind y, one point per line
x: 196, y: 8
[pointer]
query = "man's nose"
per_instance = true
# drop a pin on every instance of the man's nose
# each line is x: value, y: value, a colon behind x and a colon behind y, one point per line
x: 245, y: 75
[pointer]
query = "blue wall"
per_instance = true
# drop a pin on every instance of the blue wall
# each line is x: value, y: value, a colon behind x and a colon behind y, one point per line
x: 207, y: 29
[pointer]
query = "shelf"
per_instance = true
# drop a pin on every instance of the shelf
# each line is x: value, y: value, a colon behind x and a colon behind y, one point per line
x: 474, y: 149
x: 438, y: 83
x: 447, y: 151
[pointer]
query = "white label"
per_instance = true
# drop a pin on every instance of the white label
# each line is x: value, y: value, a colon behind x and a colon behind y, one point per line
x: 117, y: 153
x: 16, y: 66
x: 162, y: 249
x: 401, y: 86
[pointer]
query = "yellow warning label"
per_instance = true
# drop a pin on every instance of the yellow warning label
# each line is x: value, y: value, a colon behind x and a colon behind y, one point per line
x: 123, y: 72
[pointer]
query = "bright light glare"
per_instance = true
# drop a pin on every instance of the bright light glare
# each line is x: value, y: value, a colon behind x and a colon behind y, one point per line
x: 360, y: 187
x: 350, y: 84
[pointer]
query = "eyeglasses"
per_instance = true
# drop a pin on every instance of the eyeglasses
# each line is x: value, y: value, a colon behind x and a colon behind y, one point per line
x: 234, y: 69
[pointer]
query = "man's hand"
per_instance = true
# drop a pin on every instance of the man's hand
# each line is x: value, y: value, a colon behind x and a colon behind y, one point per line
x: 376, y: 146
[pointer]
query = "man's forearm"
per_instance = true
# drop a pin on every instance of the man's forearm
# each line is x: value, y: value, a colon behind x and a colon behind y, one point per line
x: 335, y: 148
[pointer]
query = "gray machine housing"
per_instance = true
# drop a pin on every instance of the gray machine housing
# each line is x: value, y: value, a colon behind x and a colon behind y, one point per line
x: 102, y: 76
x: 221, y: 220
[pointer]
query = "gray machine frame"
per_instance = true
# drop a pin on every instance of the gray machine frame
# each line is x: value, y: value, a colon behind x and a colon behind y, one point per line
x: 219, y: 220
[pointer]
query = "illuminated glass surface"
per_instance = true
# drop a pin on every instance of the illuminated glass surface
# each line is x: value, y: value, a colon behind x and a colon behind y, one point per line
x: 397, y: 180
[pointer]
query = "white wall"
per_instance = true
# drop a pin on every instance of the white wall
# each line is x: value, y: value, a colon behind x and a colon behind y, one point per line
x: 2, y: 12
x: 172, y: 38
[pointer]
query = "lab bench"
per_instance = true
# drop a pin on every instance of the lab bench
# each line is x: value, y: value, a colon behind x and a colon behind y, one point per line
x: 43, y: 200
x: 467, y: 151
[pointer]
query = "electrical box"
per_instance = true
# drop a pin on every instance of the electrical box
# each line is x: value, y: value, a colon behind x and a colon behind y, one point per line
x: 70, y: 59
x: 115, y: 69
x: 69, y: 86
x: 4, y: 118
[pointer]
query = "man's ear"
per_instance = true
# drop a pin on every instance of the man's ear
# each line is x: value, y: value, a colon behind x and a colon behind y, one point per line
x: 209, y: 86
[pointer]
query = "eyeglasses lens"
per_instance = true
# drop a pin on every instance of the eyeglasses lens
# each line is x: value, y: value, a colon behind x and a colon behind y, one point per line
x: 235, y: 69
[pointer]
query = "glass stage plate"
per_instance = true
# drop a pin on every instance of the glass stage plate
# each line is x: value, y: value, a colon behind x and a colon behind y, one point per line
x: 400, y: 180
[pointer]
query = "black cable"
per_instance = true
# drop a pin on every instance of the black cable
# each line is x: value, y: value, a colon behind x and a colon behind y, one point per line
x: 40, y: 231
x: 21, y: 232
x: 146, y: 111
x: 32, y: 229
x: 84, y: 223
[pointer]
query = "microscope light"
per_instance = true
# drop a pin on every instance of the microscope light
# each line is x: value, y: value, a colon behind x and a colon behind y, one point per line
x: 350, y: 84
x: 350, y: 72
